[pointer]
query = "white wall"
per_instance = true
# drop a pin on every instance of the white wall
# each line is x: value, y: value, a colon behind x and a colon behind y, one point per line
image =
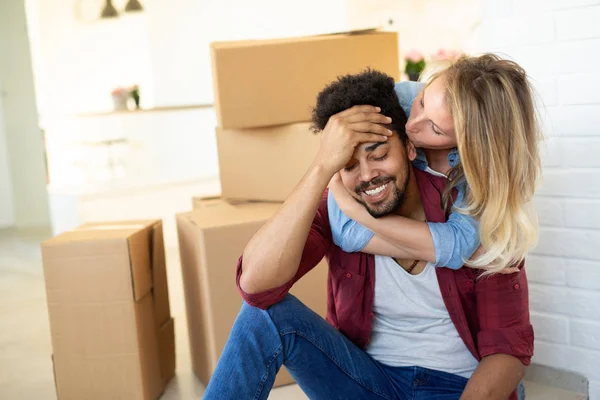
x: 7, y: 212
x: 558, y: 43
x: 427, y: 26
x: 78, y: 60
x: 165, y: 49
x: 181, y: 30
x: 24, y: 142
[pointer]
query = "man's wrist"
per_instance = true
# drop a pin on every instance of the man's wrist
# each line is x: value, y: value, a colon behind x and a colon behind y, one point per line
x: 321, y: 170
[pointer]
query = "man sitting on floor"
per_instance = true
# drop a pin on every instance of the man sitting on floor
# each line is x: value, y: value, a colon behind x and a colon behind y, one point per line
x: 455, y: 336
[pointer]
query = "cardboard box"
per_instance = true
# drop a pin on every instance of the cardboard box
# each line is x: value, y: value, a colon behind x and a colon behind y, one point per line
x: 264, y: 163
x: 206, y: 201
x: 210, y: 243
x: 166, y: 350
x: 273, y: 82
x: 111, y: 328
x: 201, y: 202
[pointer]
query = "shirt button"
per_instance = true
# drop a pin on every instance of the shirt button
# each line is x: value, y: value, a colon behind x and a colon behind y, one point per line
x: 517, y: 286
x: 348, y: 275
x: 371, y: 315
x: 469, y: 284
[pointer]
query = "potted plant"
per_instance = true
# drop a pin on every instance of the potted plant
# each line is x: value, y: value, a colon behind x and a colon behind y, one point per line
x: 120, y: 96
x: 134, y: 92
x: 415, y: 64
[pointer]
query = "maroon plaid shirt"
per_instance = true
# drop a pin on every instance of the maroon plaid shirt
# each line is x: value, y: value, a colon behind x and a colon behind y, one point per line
x: 491, y: 314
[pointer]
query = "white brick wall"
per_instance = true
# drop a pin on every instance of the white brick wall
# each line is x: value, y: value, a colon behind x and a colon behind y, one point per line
x: 574, y: 88
x: 578, y: 23
x: 574, y: 121
x: 551, y: 328
x: 583, y: 274
x: 558, y: 43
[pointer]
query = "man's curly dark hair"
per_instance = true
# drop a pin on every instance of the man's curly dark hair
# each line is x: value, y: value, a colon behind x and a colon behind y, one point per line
x: 370, y: 87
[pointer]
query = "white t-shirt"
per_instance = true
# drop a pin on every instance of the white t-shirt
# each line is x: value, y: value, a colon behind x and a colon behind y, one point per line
x: 411, y: 325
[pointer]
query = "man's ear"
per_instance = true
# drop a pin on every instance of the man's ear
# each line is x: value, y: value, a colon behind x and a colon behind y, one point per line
x: 411, y: 150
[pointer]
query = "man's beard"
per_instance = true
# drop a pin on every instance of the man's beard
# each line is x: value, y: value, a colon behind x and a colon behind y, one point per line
x: 392, y: 204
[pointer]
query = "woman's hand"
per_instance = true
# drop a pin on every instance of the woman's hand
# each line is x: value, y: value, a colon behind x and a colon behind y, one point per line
x: 348, y: 204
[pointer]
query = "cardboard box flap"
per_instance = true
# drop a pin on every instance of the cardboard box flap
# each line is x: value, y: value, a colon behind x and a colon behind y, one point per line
x: 216, y: 201
x: 141, y: 264
x: 103, y: 243
x: 148, y: 347
x: 54, y: 374
x: 210, y: 203
x: 166, y: 350
x: 147, y: 253
x: 363, y: 31
x: 162, y: 307
x: 206, y: 201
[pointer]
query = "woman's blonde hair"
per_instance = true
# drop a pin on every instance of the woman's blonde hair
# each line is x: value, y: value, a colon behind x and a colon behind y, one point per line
x: 498, y: 136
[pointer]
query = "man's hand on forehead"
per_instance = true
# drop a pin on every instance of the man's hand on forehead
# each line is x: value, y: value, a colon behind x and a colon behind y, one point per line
x: 348, y: 129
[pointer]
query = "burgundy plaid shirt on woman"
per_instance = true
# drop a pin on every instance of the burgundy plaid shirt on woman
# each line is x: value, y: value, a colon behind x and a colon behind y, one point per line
x: 491, y: 314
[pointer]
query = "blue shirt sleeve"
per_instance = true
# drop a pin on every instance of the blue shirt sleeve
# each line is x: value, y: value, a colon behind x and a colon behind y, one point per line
x: 456, y: 239
x: 407, y: 91
x: 348, y: 234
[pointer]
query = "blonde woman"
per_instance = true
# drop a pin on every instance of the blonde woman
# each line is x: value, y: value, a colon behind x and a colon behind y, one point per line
x: 475, y: 123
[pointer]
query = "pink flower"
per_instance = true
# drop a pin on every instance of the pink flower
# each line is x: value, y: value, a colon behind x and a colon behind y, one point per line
x: 119, y: 91
x: 414, y: 56
x: 444, y: 54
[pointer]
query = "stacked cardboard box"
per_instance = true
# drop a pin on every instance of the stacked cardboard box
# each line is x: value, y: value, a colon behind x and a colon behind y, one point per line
x: 110, y: 320
x: 211, y: 239
x: 264, y: 94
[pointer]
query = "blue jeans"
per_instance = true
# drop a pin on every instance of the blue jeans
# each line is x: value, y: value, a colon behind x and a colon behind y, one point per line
x: 324, y: 363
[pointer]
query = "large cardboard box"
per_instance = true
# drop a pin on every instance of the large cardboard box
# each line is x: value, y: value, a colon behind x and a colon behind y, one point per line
x: 264, y: 163
x: 110, y: 319
x: 272, y: 82
x: 211, y: 239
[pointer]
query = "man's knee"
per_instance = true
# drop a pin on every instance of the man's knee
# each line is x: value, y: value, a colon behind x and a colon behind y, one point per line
x: 251, y: 317
x: 281, y: 315
x: 290, y: 313
x: 287, y: 304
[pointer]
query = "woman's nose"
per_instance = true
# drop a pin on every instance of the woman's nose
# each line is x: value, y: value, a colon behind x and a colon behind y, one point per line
x: 413, y: 122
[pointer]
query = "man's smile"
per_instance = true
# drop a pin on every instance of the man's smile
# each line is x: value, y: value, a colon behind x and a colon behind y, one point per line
x: 375, y: 194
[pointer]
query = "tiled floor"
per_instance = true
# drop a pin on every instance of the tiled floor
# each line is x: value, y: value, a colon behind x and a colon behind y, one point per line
x: 25, y: 366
